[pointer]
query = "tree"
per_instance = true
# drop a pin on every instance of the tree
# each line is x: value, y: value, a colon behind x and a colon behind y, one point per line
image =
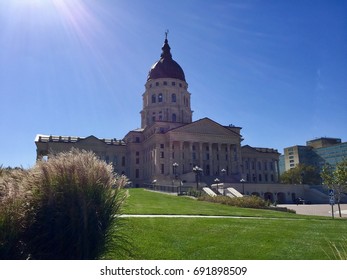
x: 336, y: 179
x: 301, y: 174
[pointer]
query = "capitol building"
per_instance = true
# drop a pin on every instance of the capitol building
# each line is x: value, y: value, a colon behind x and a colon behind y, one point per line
x: 170, y: 147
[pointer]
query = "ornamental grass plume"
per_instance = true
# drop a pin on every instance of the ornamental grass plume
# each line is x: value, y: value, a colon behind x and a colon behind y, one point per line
x: 13, y: 209
x: 63, y: 208
x: 338, y: 251
x: 76, y: 201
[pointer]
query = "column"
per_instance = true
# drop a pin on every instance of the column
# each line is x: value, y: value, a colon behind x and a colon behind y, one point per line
x: 200, y: 154
x: 181, y: 161
x: 211, y: 157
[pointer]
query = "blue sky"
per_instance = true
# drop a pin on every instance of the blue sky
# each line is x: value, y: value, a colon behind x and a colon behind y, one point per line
x: 278, y: 69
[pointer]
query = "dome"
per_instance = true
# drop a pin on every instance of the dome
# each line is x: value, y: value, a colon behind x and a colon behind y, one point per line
x: 166, y: 67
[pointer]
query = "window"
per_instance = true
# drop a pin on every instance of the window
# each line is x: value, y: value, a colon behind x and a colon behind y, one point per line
x: 137, y: 173
x: 137, y: 140
x: 173, y: 83
x: 180, y: 85
x: 162, y: 169
x: 160, y: 97
x: 115, y: 160
x: 162, y: 154
x: 173, y: 97
x: 259, y: 165
x: 162, y: 146
x: 259, y: 177
x: 165, y: 83
x: 157, y: 83
x: 137, y: 160
x: 123, y: 161
x: 153, y: 98
x: 174, y: 118
x: 137, y: 153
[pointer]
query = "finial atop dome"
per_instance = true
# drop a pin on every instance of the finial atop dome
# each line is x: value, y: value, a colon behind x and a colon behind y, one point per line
x: 166, y: 48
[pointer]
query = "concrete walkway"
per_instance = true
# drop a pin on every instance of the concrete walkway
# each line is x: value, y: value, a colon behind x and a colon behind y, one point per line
x: 307, y: 209
x: 317, y: 209
x: 207, y: 217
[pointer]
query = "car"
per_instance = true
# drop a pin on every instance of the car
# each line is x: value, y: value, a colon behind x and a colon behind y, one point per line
x: 300, y: 200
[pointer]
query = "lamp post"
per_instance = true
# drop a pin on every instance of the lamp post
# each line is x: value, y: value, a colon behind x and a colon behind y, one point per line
x: 217, y: 181
x: 197, y: 170
x: 223, y: 174
x: 153, y: 183
x: 243, y: 185
x: 174, y: 166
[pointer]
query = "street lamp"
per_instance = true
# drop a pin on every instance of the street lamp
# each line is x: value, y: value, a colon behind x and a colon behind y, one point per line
x: 217, y: 181
x: 197, y: 170
x: 243, y: 185
x: 153, y: 183
x: 223, y: 174
x: 175, y: 165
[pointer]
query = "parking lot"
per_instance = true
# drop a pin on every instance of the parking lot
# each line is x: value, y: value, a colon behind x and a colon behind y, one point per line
x: 317, y: 209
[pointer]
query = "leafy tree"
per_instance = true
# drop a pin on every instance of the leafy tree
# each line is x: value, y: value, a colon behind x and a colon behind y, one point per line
x: 301, y: 174
x: 336, y: 179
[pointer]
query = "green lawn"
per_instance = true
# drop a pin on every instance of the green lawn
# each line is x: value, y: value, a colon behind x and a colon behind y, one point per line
x: 271, y: 235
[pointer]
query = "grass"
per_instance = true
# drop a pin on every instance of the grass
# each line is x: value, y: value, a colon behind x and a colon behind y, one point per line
x: 142, y: 201
x: 271, y: 235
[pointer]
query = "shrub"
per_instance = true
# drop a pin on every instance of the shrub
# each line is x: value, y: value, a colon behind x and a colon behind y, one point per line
x: 72, y: 205
x: 244, y: 202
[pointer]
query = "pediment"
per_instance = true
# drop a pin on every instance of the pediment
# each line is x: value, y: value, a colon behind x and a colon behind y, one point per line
x: 90, y: 140
x: 204, y: 126
x: 248, y: 148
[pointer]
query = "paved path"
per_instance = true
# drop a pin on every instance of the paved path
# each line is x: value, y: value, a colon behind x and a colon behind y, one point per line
x: 312, y: 209
x: 317, y: 209
x: 189, y: 216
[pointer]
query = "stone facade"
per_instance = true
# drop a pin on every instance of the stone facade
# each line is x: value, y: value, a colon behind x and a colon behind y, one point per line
x: 170, y: 144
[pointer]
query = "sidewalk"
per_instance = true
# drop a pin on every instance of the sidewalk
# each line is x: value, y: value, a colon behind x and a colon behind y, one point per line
x: 317, y: 209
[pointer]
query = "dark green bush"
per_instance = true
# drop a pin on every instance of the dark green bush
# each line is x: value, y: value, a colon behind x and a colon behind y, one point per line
x: 72, y: 207
x: 245, y: 202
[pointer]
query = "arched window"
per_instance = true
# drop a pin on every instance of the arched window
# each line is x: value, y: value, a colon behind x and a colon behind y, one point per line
x: 173, y: 97
x: 153, y: 98
x: 174, y: 118
x: 160, y: 97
